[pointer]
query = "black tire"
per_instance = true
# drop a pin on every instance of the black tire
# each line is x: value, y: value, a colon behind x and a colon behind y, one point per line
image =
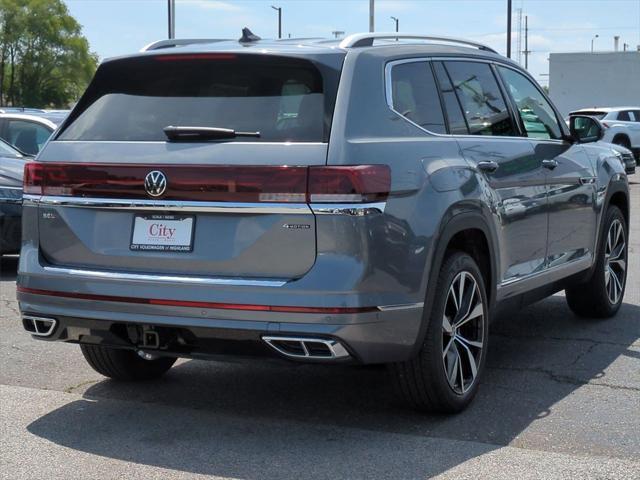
x: 591, y: 299
x: 125, y: 365
x: 422, y: 381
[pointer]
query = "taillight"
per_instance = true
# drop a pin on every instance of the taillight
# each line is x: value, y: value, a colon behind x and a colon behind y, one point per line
x: 32, y: 178
x: 358, y: 183
x: 213, y: 183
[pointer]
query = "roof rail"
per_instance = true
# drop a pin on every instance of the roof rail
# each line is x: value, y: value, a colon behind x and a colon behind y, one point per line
x: 180, y: 42
x: 366, y: 40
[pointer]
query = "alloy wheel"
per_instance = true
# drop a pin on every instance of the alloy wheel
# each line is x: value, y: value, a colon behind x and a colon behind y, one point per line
x: 463, y: 332
x: 615, y: 262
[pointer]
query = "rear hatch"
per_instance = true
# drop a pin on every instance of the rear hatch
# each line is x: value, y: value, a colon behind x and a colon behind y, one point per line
x: 118, y: 194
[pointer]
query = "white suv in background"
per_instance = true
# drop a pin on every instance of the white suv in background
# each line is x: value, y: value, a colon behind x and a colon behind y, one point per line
x: 622, y: 125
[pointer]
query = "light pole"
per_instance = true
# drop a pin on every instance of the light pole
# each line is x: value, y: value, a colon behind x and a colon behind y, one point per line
x: 592, y: 40
x: 279, y: 10
x: 171, y: 17
x: 397, y: 23
x: 372, y: 14
x: 509, y: 28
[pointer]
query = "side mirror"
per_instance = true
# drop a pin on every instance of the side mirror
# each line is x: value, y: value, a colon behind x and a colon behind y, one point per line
x: 585, y: 129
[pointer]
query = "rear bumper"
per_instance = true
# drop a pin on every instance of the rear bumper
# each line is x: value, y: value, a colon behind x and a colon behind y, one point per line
x: 370, y: 337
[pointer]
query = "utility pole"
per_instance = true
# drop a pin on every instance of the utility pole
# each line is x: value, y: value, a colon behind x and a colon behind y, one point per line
x: 372, y: 15
x: 508, y: 28
x: 397, y: 23
x: 519, y: 36
x: 171, y: 17
x: 597, y: 36
x: 337, y: 33
x: 279, y: 10
x: 526, y: 42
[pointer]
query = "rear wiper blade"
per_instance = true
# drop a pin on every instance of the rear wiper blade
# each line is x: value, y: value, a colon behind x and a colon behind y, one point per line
x: 183, y: 134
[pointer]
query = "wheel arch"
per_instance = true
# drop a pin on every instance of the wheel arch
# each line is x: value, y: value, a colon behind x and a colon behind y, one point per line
x: 618, y: 195
x: 621, y: 135
x: 471, y: 226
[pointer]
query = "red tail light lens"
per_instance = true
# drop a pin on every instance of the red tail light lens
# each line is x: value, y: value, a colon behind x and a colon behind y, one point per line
x: 213, y: 183
x: 359, y: 183
x: 32, y: 178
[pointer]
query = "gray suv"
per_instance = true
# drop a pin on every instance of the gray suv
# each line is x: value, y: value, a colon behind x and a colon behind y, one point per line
x: 367, y: 201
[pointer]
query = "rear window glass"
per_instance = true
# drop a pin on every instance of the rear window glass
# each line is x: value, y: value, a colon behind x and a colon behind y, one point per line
x: 285, y: 99
x: 482, y: 102
x: 457, y: 122
x: 415, y: 95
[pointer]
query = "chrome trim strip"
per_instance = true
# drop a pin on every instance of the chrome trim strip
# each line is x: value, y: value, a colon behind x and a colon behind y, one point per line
x: 168, y: 205
x: 405, y: 306
x: 353, y: 209
x: 141, y: 277
x: 515, y: 285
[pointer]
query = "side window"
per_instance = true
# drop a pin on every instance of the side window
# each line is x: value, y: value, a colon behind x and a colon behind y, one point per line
x: 28, y: 137
x: 455, y: 117
x: 636, y: 114
x: 415, y: 96
x: 481, y: 99
x: 624, y: 116
x: 537, y: 115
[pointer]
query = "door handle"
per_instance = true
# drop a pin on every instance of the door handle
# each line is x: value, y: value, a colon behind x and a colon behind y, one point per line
x: 550, y: 164
x: 488, y: 166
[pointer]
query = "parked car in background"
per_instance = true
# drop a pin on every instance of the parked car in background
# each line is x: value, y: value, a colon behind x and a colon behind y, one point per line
x: 11, y: 170
x: 622, y: 125
x: 194, y: 204
x: 626, y: 157
x: 55, y: 115
x: 27, y: 132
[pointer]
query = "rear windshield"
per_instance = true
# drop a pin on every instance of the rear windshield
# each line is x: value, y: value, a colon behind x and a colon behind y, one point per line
x: 285, y: 99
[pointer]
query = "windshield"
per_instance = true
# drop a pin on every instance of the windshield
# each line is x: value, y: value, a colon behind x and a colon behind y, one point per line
x: 285, y: 99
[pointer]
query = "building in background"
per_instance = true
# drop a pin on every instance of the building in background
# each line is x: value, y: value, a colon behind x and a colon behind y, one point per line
x: 600, y: 79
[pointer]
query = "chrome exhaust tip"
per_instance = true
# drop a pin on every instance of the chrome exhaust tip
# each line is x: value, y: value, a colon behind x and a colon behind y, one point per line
x: 39, y: 326
x: 307, y: 348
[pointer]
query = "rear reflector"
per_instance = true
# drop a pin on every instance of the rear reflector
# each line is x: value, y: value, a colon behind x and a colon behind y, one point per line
x: 212, y: 183
x: 197, y: 304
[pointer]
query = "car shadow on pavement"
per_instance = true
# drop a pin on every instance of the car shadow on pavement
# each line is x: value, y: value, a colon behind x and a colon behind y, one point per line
x: 253, y: 419
x: 8, y: 267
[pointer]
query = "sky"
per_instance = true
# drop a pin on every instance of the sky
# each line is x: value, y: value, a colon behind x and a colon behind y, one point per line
x: 116, y: 27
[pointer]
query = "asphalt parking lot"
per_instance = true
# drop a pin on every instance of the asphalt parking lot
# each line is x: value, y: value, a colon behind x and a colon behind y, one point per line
x: 561, y: 399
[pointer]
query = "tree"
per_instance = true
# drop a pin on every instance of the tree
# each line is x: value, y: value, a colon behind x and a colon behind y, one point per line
x: 44, y: 58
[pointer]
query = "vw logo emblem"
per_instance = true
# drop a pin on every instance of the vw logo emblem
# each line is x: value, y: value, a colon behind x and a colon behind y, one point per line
x: 155, y: 183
